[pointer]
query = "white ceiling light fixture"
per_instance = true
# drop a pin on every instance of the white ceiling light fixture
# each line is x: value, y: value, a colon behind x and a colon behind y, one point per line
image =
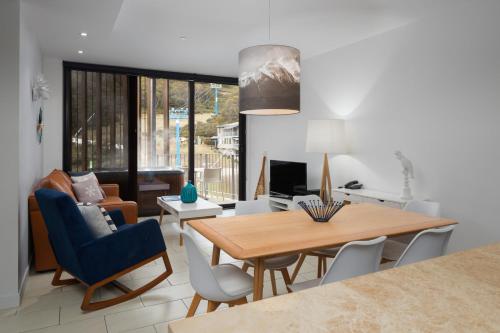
x: 83, y: 34
x: 80, y: 51
x: 269, y: 78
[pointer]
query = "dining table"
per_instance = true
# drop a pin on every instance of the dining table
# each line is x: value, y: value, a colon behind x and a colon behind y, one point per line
x: 259, y: 236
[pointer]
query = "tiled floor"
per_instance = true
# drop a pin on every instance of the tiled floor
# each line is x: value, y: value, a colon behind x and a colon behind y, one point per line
x: 45, y: 308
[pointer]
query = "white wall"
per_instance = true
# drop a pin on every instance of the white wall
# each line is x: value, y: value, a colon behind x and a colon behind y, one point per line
x: 53, y: 116
x: 21, y: 163
x: 430, y: 89
x: 9, y: 143
x: 30, y: 151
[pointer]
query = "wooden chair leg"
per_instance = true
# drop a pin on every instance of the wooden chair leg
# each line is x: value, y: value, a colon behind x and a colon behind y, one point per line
x: 298, y: 266
x: 194, y: 305
x: 212, y: 306
x: 320, y: 268
x: 56, y: 280
x: 286, y: 277
x: 238, y: 302
x: 245, y: 267
x: 273, y: 282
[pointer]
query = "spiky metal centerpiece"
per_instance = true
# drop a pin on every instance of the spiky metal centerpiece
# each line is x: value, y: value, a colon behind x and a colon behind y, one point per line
x: 319, y: 211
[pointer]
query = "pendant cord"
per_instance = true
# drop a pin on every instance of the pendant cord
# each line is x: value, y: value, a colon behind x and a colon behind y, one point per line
x: 269, y: 20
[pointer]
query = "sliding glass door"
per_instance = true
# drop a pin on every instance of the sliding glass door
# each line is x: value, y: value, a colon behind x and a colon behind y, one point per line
x: 97, y: 126
x: 216, y: 142
x: 151, y: 131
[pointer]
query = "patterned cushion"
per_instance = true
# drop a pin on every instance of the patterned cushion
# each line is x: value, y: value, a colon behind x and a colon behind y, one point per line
x: 85, y: 177
x: 97, y: 219
x: 87, y: 191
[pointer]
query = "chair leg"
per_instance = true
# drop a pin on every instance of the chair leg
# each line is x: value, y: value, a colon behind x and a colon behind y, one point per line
x: 245, y: 267
x: 324, y: 265
x: 286, y: 277
x: 273, y: 282
x: 56, y: 280
x: 320, y: 269
x: 238, y: 302
x: 212, y: 306
x: 298, y: 266
x: 194, y: 305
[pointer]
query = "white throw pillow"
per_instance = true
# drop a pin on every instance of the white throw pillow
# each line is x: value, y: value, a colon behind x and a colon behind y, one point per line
x: 86, y: 177
x: 87, y: 191
x: 97, y: 219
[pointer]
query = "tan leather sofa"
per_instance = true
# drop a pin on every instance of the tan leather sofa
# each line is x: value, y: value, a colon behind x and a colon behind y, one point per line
x: 60, y: 181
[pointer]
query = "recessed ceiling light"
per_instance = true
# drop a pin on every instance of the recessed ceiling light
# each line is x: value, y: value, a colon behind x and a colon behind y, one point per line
x: 83, y: 34
x: 80, y: 51
x: 183, y: 37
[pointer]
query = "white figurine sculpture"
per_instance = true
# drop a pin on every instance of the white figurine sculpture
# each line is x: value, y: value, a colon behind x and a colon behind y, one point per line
x: 407, y: 173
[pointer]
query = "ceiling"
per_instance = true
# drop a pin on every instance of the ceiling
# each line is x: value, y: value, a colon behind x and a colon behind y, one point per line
x: 146, y: 33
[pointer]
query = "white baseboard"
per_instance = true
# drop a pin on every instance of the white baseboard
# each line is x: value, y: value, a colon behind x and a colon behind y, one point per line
x: 14, y: 299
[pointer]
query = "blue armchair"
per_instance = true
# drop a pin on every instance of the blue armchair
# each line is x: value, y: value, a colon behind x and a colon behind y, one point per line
x: 96, y: 262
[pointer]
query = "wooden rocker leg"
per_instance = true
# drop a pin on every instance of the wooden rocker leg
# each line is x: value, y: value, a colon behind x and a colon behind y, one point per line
x: 87, y: 305
x: 298, y: 266
x: 194, y: 305
x: 56, y: 280
x: 273, y: 282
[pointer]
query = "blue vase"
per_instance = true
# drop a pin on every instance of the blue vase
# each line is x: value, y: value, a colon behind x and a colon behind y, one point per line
x: 188, y: 193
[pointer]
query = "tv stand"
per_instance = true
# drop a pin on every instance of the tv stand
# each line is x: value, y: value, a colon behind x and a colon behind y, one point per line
x: 278, y: 203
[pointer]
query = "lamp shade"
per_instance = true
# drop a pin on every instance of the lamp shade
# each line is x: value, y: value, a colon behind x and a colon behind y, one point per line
x: 326, y: 136
x: 269, y: 80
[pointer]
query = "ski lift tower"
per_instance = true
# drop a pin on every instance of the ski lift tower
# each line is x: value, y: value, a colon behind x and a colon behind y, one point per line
x: 178, y: 114
x: 216, y: 87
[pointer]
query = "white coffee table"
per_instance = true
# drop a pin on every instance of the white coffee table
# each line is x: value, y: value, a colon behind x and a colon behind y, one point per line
x: 188, y: 211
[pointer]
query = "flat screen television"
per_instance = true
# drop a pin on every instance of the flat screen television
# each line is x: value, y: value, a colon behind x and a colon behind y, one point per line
x: 288, y: 178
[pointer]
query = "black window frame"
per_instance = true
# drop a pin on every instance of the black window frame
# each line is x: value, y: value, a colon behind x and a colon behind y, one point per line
x: 133, y: 74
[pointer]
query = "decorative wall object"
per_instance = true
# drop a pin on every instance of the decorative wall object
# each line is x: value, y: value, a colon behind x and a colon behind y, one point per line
x: 40, y: 89
x: 269, y: 80
x: 39, y: 126
x: 407, y: 173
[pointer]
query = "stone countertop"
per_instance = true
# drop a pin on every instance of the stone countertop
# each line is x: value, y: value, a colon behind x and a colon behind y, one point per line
x: 454, y: 293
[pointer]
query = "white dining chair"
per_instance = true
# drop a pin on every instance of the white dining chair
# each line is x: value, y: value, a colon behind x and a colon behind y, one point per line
x: 353, y: 259
x: 320, y: 254
x: 212, y: 176
x: 252, y: 207
x: 395, y: 246
x: 427, y: 244
x: 224, y: 283
x: 280, y: 263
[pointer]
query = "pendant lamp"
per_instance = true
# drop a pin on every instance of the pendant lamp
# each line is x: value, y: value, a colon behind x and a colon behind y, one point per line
x: 269, y: 79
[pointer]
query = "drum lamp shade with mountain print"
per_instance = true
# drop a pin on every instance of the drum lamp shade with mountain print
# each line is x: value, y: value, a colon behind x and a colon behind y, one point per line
x: 269, y: 80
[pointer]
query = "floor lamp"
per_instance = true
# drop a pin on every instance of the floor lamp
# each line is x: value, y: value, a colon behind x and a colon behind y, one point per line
x: 326, y: 136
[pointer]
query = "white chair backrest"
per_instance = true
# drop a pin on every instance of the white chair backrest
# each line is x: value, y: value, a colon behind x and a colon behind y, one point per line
x: 201, y: 275
x: 307, y: 198
x: 355, y: 258
x: 426, y: 244
x: 252, y: 207
x: 212, y: 175
x: 429, y: 208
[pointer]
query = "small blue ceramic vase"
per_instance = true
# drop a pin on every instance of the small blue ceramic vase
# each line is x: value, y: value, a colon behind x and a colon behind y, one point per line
x: 188, y: 193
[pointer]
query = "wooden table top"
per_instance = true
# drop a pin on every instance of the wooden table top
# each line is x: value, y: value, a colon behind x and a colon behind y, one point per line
x: 270, y: 234
x: 454, y: 293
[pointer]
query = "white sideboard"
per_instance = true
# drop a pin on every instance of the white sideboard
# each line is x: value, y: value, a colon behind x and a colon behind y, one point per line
x: 371, y: 196
x: 343, y: 194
